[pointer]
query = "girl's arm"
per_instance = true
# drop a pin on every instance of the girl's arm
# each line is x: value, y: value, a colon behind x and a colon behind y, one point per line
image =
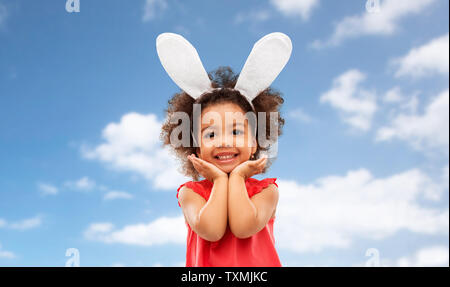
x: 207, y: 218
x: 248, y: 216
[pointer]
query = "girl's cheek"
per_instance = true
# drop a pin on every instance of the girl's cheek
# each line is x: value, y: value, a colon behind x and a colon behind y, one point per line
x: 208, y: 144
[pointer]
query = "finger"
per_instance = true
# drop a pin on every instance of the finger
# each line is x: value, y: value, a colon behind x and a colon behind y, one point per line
x: 204, y: 163
x: 200, y: 170
x: 199, y: 161
x: 260, y: 169
x: 258, y: 162
x: 261, y: 159
x: 262, y: 164
x: 201, y: 165
x: 193, y: 158
x: 255, y: 162
x: 196, y: 165
x: 197, y: 168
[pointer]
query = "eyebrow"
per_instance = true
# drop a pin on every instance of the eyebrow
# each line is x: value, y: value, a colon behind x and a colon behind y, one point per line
x: 234, y: 124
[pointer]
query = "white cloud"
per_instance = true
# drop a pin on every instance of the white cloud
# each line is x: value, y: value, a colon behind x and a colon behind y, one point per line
x: 398, y: 101
x: 434, y: 256
x: 6, y: 254
x: 411, y: 104
x: 334, y: 211
x: 445, y: 177
x: 427, y: 131
x: 153, y: 8
x: 47, y: 189
x: 117, y: 195
x: 163, y: 230
x: 134, y: 145
x: 384, y: 22
x: 83, y: 184
x: 394, y: 95
x: 302, y: 8
x: 430, y: 256
x: 427, y: 60
x: 355, y: 104
x: 331, y: 212
x: 24, y: 224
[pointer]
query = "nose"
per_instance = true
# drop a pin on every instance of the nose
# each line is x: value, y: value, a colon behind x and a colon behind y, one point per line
x: 226, y: 140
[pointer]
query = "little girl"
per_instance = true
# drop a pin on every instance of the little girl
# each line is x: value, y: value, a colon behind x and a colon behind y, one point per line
x: 229, y: 215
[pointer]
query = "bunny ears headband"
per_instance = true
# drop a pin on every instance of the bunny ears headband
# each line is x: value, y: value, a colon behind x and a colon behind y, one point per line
x: 182, y: 63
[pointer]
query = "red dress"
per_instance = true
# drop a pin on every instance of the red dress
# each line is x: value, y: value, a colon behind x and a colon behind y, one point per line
x: 230, y: 251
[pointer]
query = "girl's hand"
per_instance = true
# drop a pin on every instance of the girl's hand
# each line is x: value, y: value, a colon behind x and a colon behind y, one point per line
x: 206, y: 169
x: 250, y: 167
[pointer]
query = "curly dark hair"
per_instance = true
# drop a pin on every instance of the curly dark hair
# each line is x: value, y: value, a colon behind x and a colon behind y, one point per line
x: 267, y: 101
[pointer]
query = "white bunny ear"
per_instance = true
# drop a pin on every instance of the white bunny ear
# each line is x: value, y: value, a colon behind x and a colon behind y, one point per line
x: 266, y: 60
x: 181, y: 61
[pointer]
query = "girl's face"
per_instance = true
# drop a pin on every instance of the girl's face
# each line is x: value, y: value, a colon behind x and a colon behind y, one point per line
x: 225, y: 137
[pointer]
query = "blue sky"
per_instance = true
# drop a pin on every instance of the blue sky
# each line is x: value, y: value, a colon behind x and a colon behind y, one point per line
x: 362, y: 163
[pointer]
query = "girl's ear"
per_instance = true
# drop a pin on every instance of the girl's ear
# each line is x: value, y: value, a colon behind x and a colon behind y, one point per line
x: 197, y: 152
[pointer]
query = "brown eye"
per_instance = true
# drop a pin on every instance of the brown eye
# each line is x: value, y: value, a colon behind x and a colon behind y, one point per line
x: 209, y: 135
x: 237, y: 132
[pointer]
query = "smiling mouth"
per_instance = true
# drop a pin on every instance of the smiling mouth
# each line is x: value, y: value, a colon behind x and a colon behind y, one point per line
x: 226, y: 158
